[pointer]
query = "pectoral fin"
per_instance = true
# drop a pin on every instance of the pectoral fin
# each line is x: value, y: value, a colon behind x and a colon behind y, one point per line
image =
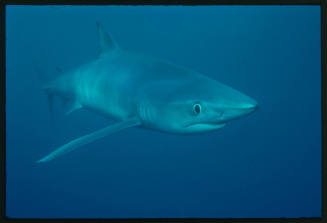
x: 83, y: 140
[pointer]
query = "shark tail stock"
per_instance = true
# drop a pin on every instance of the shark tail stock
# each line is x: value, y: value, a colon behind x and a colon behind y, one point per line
x: 45, y: 79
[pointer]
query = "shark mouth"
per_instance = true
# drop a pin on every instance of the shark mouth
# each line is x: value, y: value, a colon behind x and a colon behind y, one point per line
x: 205, y: 126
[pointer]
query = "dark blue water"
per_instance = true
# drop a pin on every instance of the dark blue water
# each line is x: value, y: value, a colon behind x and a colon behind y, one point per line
x: 265, y: 165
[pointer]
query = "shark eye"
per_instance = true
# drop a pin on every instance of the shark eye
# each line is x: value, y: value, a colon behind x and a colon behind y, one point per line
x: 197, y: 108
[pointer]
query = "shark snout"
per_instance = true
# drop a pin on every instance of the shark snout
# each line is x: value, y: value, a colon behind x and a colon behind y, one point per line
x: 237, y: 110
x: 240, y: 110
x: 249, y: 106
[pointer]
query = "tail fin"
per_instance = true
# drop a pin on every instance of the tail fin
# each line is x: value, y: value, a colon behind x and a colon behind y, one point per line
x: 44, y: 80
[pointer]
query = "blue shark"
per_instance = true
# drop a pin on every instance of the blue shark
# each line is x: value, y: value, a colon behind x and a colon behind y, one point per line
x: 141, y: 91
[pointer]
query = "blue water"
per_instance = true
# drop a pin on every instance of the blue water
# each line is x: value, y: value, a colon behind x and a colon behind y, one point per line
x: 265, y: 165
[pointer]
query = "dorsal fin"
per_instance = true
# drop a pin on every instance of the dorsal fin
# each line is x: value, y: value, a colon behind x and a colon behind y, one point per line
x: 106, y: 42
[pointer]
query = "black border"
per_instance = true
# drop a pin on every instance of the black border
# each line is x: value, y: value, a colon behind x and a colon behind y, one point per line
x: 162, y: 2
x: 323, y: 5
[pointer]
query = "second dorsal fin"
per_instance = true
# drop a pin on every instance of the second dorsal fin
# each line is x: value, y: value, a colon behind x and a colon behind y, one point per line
x: 73, y: 106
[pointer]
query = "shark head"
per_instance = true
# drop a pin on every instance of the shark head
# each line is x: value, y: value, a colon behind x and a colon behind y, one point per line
x: 199, y: 105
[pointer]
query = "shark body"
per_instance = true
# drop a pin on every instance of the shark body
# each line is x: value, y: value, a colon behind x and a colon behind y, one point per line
x: 137, y: 90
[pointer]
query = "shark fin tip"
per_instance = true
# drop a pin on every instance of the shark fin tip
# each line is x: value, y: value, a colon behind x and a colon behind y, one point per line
x: 43, y: 160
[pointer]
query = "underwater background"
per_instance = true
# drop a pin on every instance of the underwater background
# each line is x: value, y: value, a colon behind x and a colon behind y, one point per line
x: 265, y: 165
